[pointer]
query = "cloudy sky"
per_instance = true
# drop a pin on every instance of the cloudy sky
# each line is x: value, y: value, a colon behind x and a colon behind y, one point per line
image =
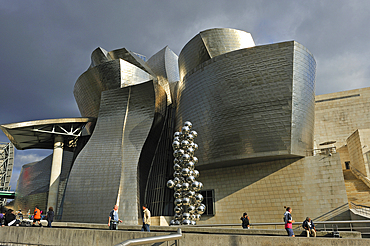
x: 46, y: 45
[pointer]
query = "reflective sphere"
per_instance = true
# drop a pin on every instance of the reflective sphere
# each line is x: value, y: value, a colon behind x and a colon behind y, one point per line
x: 178, y: 202
x: 190, y: 194
x: 172, y: 222
x: 176, y: 145
x: 176, y: 174
x: 189, y: 179
x: 194, y: 133
x: 181, y: 152
x: 184, y: 144
x: 188, y: 124
x: 186, y: 222
x: 178, y: 217
x: 177, y: 210
x: 194, y: 185
x: 177, y: 195
x: 195, y: 160
x: 176, y: 134
x: 185, y: 172
x: 170, y: 184
x: 189, y: 137
x: 197, y: 217
x: 185, y: 130
x: 177, y: 139
x: 195, y: 147
x: 176, y: 154
x: 176, y: 161
x: 185, y: 158
x: 190, y: 151
x: 185, y: 186
x: 176, y: 180
x: 190, y: 165
x: 177, y: 222
x: 177, y: 168
x: 198, y: 198
x: 200, y: 185
x: 193, y: 222
x: 186, y: 216
x: 190, y: 209
x: 201, y: 209
x: 186, y: 201
x: 196, y: 174
x: 178, y: 187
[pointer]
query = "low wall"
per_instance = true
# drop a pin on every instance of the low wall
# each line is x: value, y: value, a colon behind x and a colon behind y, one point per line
x: 191, y: 237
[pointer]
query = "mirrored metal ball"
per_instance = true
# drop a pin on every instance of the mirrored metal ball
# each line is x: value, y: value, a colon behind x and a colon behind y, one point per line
x: 195, y: 160
x: 194, y: 185
x: 185, y: 216
x: 177, y: 174
x: 177, y: 222
x: 185, y: 172
x: 200, y: 185
x: 181, y: 152
x: 196, y: 173
x: 193, y: 222
x: 186, y: 222
x: 189, y: 179
x: 185, y: 158
x: 176, y: 180
x: 170, y: 184
x: 176, y: 161
x: 177, y: 168
x: 177, y: 195
x: 176, y: 145
x: 189, y: 137
x: 190, y: 194
x: 195, y: 147
x: 177, y: 210
x: 201, y: 209
x: 177, y: 134
x: 185, y: 130
x: 184, y: 144
x: 178, y: 202
x: 178, y: 187
x: 178, y: 217
x: 190, y: 165
x: 177, y: 139
x: 185, y: 201
x: 176, y: 154
x: 190, y: 151
x: 198, y: 198
x: 185, y: 186
x: 197, y: 217
x: 188, y: 124
x: 194, y: 133
x: 190, y: 209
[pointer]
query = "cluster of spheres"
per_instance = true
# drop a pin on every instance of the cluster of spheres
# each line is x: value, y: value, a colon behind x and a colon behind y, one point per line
x: 188, y: 201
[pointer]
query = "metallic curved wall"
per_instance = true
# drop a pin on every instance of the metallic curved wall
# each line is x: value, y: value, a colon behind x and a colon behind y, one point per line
x: 251, y: 103
x: 209, y: 44
x: 107, y: 170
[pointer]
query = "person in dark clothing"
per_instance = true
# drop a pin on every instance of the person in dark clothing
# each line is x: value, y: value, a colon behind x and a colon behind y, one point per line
x: 10, y: 218
x: 50, y: 216
x: 309, y: 227
x: 245, y: 221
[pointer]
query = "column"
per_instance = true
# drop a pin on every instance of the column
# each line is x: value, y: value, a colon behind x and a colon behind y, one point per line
x: 56, y: 168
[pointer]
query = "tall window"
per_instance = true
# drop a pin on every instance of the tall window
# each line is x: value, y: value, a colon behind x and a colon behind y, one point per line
x: 209, y: 201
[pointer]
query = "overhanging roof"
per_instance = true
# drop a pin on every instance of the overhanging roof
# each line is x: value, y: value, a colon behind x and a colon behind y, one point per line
x: 39, y: 134
x: 7, y: 194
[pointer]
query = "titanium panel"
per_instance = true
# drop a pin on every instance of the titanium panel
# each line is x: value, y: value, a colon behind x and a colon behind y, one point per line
x: 165, y: 66
x: 209, y: 44
x: 107, y: 170
x: 241, y: 104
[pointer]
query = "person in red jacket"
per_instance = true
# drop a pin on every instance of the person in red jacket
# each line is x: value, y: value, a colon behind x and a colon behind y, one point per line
x: 37, y: 216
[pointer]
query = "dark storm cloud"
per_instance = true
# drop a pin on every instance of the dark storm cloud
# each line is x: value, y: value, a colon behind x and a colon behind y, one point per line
x: 46, y: 45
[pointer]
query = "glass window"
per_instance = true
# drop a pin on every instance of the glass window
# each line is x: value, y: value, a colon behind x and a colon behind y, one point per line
x: 209, y: 201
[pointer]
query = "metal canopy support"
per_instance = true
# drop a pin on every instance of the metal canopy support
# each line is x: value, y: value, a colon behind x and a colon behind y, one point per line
x: 6, y: 167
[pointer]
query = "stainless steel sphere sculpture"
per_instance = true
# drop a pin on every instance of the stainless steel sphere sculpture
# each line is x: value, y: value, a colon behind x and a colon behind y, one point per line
x: 188, y: 201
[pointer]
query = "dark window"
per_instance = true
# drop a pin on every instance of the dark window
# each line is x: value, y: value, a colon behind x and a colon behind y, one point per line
x: 209, y: 201
x: 347, y: 164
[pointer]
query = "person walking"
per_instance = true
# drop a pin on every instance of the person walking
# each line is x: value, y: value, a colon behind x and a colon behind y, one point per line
x: 245, y: 221
x: 146, y: 219
x: 289, y: 222
x: 113, y: 219
x: 50, y: 216
x: 37, y: 216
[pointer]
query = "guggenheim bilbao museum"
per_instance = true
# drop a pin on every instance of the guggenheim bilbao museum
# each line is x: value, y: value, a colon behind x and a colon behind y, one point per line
x: 253, y: 108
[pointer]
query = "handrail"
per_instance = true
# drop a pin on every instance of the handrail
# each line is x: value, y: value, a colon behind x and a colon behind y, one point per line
x: 156, y: 239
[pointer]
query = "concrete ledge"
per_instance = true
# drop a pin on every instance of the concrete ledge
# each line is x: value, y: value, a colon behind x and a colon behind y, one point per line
x: 73, y: 236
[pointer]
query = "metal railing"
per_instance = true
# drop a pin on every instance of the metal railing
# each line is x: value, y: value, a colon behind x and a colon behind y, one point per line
x: 156, y: 239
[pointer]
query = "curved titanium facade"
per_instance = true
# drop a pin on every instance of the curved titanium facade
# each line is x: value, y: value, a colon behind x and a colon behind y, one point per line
x: 211, y: 43
x: 251, y: 103
x: 106, y: 171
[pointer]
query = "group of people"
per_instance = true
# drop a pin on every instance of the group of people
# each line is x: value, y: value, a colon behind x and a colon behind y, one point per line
x: 307, y: 225
x: 113, y: 218
x: 10, y: 219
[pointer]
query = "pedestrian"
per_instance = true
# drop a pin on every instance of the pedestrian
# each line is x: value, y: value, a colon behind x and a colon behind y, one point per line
x: 50, y: 216
x: 37, y: 216
x: 245, y: 221
x: 113, y: 219
x: 309, y: 227
x: 10, y: 218
x: 146, y: 219
x: 2, y: 219
x: 289, y: 222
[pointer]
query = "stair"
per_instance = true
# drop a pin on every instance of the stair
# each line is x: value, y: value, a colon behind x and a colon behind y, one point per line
x: 357, y: 191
